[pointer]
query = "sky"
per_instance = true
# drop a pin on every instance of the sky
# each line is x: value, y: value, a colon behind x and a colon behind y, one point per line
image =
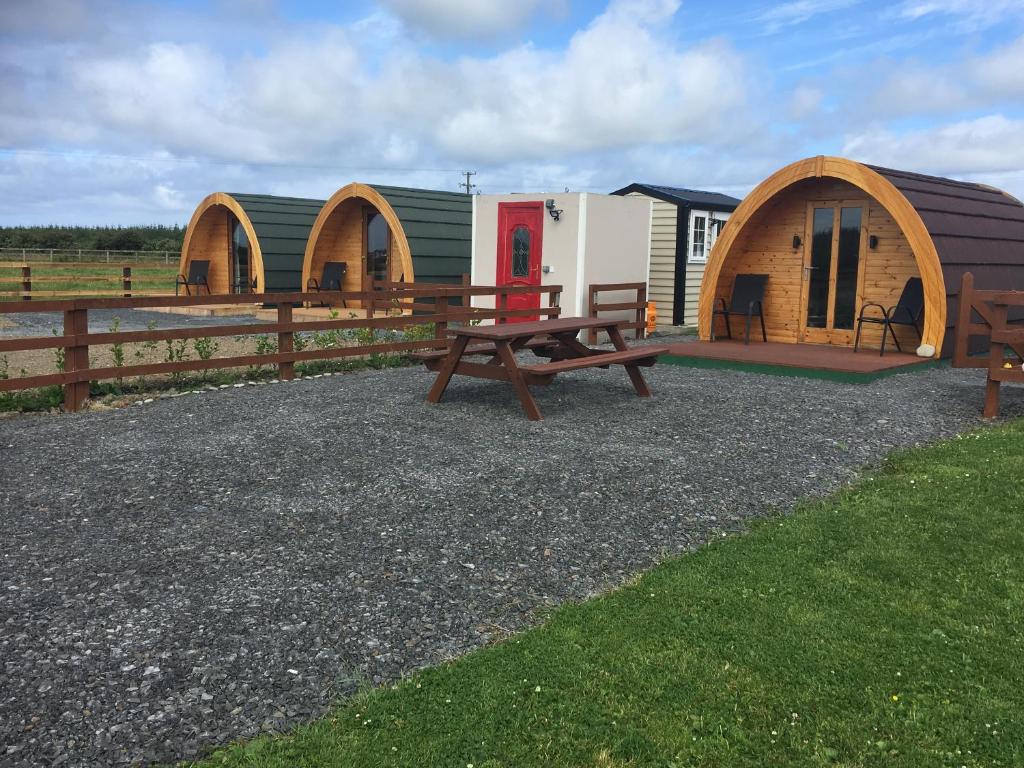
x: 119, y: 112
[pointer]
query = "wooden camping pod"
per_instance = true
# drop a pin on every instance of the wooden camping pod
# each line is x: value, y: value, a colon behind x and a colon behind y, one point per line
x: 276, y: 228
x: 917, y: 226
x: 430, y: 234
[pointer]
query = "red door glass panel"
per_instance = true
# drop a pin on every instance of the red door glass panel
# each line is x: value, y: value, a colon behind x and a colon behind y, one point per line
x: 520, y: 234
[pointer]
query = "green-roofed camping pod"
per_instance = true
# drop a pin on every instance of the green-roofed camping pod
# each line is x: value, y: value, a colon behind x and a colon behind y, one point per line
x: 392, y: 234
x: 254, y: 243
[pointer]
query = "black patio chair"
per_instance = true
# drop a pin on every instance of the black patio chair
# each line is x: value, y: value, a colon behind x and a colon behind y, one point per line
x: 331, y: 279
x: 198, y: 277
x: 909, y: 310
x: 747, y: 298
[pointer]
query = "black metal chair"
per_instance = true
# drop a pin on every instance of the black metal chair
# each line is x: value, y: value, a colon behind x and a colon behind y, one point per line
x: 909, y: 310
x: 331, y: 279
x: 198, y: 277
x: 747, y: 298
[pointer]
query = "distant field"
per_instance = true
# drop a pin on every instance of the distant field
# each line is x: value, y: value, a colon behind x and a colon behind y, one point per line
x: 70, y: 280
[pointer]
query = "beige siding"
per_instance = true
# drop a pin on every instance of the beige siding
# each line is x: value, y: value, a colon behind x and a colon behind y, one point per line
x: 694, y: 277
x: 661, y: 285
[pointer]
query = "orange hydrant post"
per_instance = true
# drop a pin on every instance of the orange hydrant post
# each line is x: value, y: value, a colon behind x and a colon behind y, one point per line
x: 652, y: 316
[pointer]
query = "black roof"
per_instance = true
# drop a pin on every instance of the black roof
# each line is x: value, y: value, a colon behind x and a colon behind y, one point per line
x: 438, y: 226
x: 688, y: 198
x: 282, y: 226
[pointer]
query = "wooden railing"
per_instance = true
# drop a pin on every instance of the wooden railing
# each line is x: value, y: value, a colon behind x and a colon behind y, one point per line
x: 419, y: 306
x: 96, y: 279
x: 992, y: 308
x: 639, y: 306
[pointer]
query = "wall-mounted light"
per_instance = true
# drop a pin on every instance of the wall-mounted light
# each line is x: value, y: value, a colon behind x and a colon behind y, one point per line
x: 872, y: 242
x: 555, y: 212
x: 796, y: 241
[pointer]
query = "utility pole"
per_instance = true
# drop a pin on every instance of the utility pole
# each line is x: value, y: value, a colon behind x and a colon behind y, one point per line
x: 469, y: 186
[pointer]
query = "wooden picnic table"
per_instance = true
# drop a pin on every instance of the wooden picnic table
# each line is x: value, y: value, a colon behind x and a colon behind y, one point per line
x: 556, y: 339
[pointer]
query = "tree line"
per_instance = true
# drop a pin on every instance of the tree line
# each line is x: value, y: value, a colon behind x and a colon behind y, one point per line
x: 146, y: 238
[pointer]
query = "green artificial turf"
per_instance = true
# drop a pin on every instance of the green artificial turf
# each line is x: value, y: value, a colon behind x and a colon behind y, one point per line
x: 880, y: 627
x: 847, y: 377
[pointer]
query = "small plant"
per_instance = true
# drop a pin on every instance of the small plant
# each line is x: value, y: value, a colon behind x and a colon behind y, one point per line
x: 58, y: 354
x: 205, y: 347
x: 177, y: 352
x: 146, y: 346
x: 420, y: 332
x: 117, y: 348
x: 5, y: 368
x: 299, y: 342
x: 265, y: 345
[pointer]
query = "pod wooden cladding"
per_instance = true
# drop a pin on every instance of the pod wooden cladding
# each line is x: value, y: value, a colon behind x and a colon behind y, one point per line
x: 337, y: 235
x: 754, y: 213
x: 208, y: 235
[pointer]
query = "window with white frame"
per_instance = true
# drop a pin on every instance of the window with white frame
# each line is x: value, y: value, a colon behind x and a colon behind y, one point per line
x: 705, y: 226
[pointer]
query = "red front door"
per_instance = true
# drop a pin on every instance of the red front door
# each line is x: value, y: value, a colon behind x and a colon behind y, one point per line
x: 520, y: 234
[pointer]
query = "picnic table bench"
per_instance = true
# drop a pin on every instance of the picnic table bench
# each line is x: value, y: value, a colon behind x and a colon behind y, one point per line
x: 555, y: 339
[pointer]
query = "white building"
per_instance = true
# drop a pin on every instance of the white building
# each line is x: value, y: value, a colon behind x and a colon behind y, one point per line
x: 684, y: 226
x: 572, y: 239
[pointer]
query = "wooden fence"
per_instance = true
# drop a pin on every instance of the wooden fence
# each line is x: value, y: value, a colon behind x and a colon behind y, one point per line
x: 72, y: 255
x: 639, y: 305
x: 417, y: 305
x: 88, y: 279
x: 992, y: 308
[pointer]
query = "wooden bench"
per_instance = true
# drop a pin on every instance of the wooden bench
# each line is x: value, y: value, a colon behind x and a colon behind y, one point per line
x: 642, y: 356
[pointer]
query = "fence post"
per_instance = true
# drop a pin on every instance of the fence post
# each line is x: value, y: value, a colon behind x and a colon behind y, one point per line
x: 76, y: 358
x: 641, y: 312
x: 126, y: 278
x: 441, y: 326
x: 962, y: 337
x: 996, y: 353
x: 26, y: 282
x: 592, y: 312
x: 285, y: 370
x: 502, y: 306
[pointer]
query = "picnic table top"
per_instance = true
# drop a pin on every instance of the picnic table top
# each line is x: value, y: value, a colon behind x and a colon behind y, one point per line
x: 507, y: 331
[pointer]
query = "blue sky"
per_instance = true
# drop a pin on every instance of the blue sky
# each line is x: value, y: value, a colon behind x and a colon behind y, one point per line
x: 131, y: 112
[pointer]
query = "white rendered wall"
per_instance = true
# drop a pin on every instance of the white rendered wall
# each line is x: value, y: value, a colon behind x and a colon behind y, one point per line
x: 597, y: 239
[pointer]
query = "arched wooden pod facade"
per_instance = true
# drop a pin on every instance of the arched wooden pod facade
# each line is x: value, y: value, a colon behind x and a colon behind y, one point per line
x: 911, y: 226
x: 429, y: 234
x: 266, y: 233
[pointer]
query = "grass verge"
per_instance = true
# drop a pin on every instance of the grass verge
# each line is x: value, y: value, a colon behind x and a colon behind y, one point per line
x: 883, y: 626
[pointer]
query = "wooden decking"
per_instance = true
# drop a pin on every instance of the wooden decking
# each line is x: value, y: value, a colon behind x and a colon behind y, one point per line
x: 806, y: 356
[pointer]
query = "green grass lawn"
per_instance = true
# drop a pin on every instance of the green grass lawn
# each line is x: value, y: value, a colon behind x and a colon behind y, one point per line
x: 148, y: 277
x: 881, y: 627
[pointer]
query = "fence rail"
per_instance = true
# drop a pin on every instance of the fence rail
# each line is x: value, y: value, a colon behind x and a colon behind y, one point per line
x: 118, y: 282
x: 72, y: 255
x: 992, y: 308
x: 434, y: 303
x: 640, y: 305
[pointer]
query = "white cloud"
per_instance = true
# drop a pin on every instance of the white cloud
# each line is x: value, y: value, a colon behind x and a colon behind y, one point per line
x: 966, y: 15
x: 971, y: 81
x: 993, y: 144
x: 798, y: 11
x: 463, y: 18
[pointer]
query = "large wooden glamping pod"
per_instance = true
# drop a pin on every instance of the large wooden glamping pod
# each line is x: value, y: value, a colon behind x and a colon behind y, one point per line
x: 833, y: 235
x: 391, y: 233
x: 253, y: 243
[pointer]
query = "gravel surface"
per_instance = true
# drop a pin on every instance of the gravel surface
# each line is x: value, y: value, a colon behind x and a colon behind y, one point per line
x: 44, y: 323
x: 200, y: 569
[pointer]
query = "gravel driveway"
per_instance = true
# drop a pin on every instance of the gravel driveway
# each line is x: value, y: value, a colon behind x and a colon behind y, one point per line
x: 100, y: 321
x: 196, y: 570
